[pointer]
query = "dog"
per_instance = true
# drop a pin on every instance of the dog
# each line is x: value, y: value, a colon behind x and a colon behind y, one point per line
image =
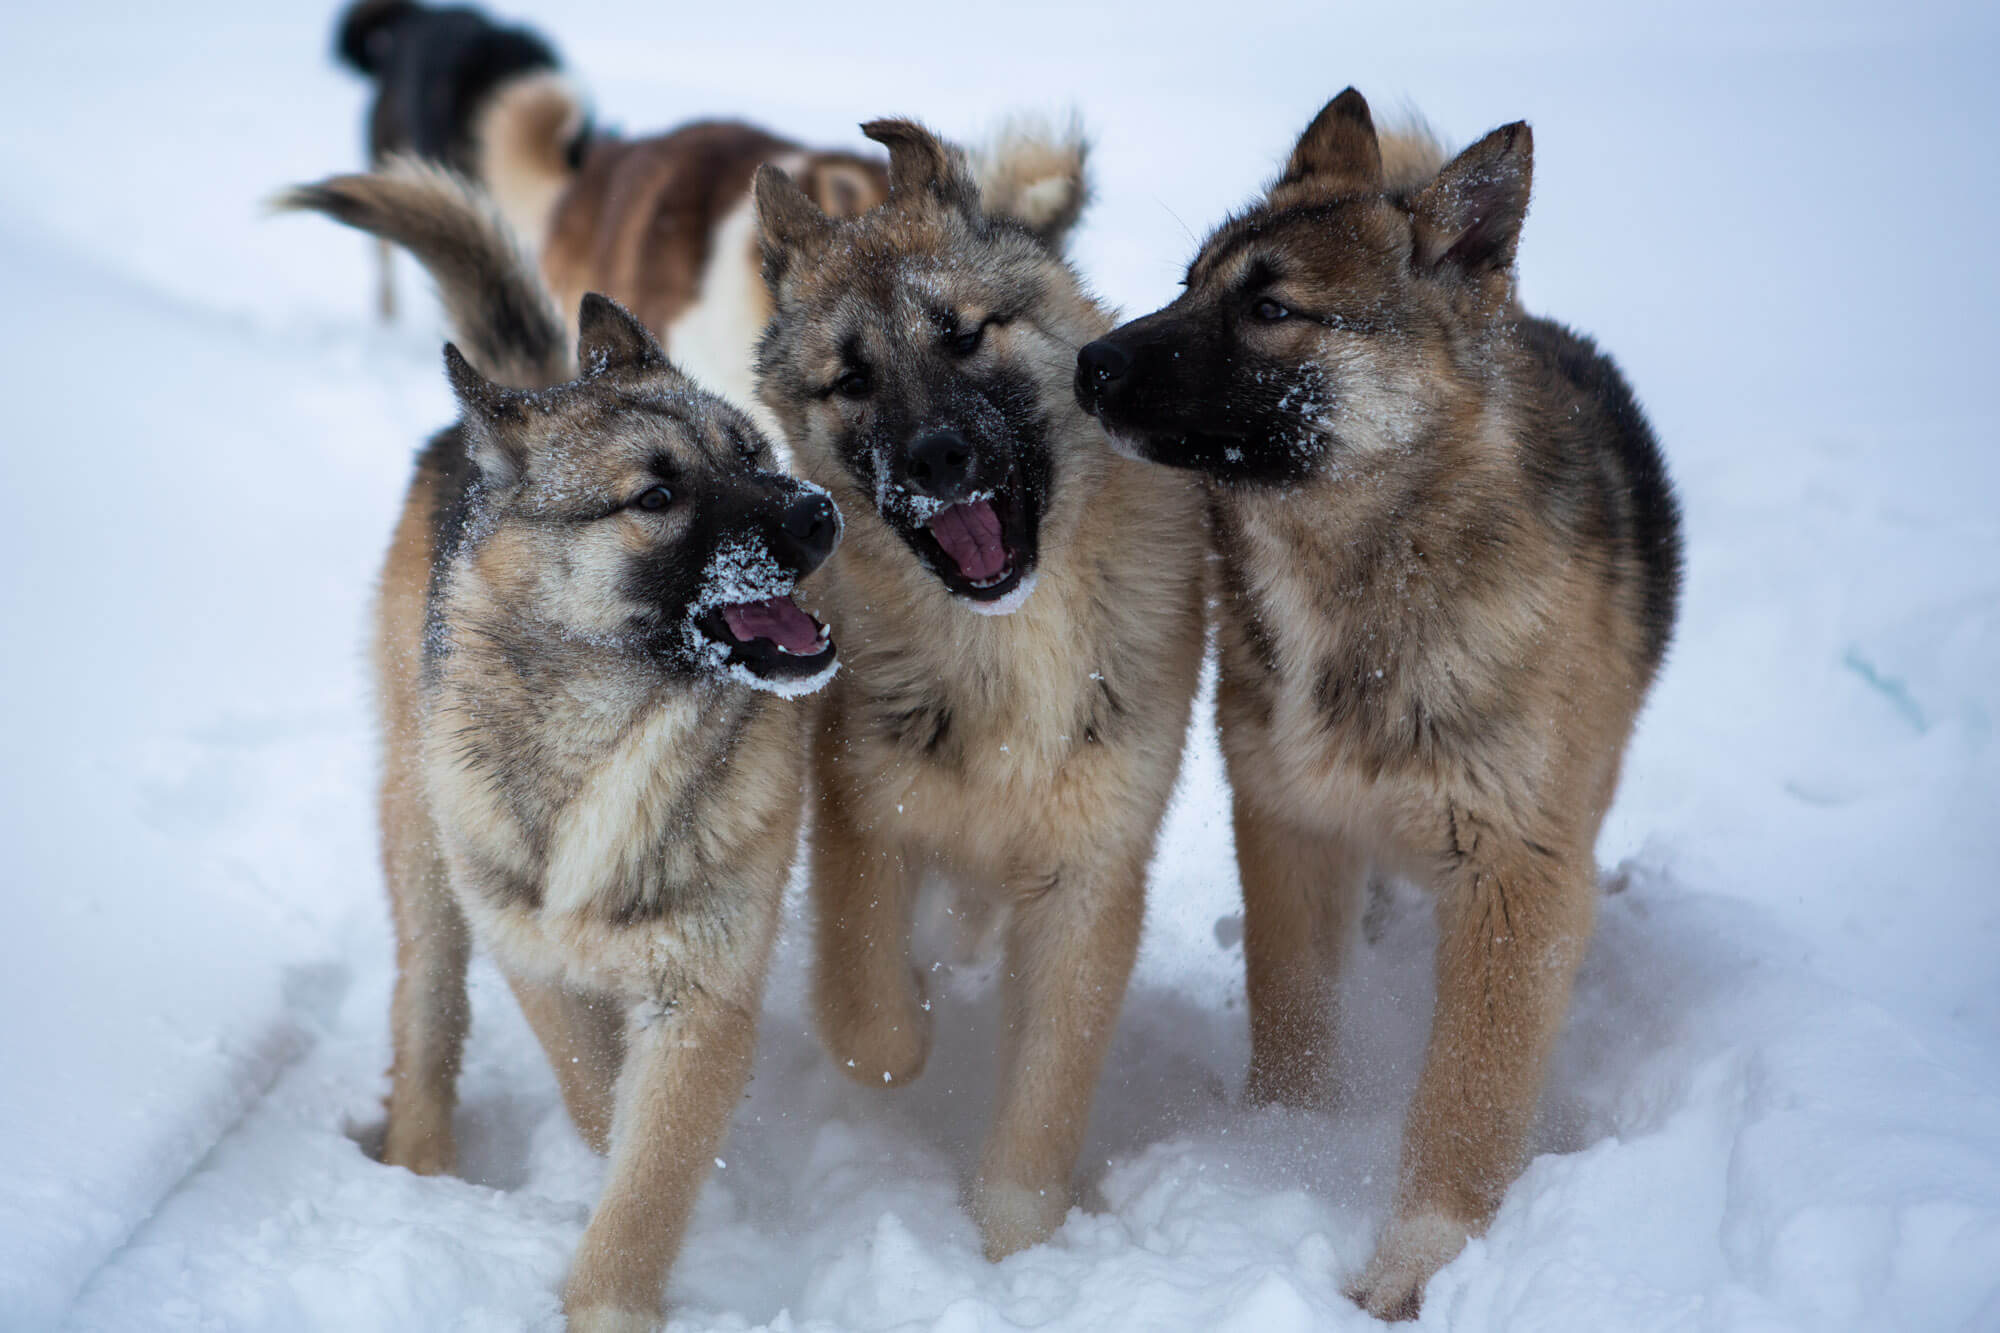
x: 1023, y: 614
x: 666, y: 225
x: 1450, y: 562
x: 584, y: 631
x: 457, y: 89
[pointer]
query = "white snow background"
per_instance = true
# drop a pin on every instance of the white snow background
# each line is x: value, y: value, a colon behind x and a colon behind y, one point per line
x: 1777, y: 1103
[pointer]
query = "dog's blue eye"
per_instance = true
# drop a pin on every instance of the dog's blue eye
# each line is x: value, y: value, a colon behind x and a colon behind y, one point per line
x: 854, y: 384
x: 654, y: 499
x: 1269, y: 311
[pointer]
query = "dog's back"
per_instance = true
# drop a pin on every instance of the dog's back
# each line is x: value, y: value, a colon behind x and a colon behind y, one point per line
x: 1591, y: 427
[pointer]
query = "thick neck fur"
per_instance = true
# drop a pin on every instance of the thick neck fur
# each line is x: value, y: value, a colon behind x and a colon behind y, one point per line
x: 607, y: 782
x: 940, y: 678
x: 1393, y: 589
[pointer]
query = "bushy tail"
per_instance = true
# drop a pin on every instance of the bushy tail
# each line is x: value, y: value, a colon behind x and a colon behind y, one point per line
x: 503, y: 317
x: 364, y: 25
x: 1036, y: 171
x: 528, y: 141
x: 1412, y: 154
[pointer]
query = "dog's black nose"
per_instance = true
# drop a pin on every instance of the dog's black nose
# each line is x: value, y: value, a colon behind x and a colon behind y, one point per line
x: 939, y: 465
x: 1103, y: 361
x: 812, y: 526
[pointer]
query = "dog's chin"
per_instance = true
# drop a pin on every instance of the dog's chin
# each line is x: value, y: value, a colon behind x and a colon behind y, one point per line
x: 982, y: 550
x: 769, y: 645
x: 1239, y: 459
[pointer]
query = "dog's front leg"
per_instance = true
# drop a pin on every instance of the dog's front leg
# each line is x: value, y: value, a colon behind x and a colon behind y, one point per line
x: 1300, y: 891
x: 870, y: 1004
x: 1512, y: 929
x: 429, y: 1010
x: 582, y: 1036
x: 685, y: 1067
x: 1070, y: 948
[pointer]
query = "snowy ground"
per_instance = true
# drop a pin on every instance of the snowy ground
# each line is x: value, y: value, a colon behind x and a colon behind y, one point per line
x: 1777, y: 1105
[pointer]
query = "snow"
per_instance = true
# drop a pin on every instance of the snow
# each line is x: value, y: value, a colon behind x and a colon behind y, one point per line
x: 1777, y: 1103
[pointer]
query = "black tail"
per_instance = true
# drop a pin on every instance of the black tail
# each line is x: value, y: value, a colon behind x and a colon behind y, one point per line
x: 504, y: 318
x: 366, y: 29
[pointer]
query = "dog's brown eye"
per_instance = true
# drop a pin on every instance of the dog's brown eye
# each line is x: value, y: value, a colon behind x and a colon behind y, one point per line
x: 654, y: 499
x: 1269, y: 311
x: 965, y: 344
x: 854, y: 384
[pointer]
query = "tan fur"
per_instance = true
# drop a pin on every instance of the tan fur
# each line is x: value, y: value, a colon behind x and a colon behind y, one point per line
x: 1034, y: 172
x: 520, y: 136
x: 1028, y: 756
x: 569, y: 775
x: 1411, y: 154
x: 1449, y: 563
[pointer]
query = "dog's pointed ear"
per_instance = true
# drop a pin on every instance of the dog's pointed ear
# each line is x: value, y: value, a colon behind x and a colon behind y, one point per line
x: 1037, y: 175
x: 1339, y: 149
x: 1470, y: 217
x: 610, y: 337
x: 788, y: 223
x: 491, y: 418
x: 924, y: 168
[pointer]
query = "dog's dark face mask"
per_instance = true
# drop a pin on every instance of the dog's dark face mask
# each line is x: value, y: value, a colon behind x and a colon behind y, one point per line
x: 1335, y: 318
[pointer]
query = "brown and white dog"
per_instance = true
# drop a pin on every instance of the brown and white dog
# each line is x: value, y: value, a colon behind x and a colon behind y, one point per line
x: 1451, y: 563
x: 584, y: 628
x: 1022, y: 615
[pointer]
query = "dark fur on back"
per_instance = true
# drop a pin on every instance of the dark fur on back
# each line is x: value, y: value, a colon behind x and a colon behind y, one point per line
x: 434, y: 68
x: 1628, y: 476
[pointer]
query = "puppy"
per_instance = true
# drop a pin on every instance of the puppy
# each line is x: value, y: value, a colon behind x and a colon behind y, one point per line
x: 1450, y: 561
x: 1024, y: 616
x: 585, y: 645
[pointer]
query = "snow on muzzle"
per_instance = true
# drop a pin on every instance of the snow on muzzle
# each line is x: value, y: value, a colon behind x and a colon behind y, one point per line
x: 746, y: 626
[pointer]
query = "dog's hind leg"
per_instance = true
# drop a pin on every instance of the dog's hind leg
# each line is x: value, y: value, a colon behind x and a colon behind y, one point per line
x: 685, y: 1068
x: 870, y: 1004
x: 385, y: 279
x: 583, y: 1036
x: 1512, y: 930
x: 428, y: 1013
x: 1070, y: 947
x: 1300, y: 892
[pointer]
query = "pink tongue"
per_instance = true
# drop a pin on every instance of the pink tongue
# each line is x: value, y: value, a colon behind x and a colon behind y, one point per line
x: 970, y: 535
x: 776, y: 619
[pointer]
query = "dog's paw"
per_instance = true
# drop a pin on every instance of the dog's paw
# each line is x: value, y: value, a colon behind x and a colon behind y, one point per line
x: 1013, y: 1217
x: 1411, y: 1250
x: 419, y: 1145
x: 610, y: 1319
x: 884, y: 1043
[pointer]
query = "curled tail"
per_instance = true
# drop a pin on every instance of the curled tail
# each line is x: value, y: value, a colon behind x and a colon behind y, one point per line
x: 1412, y: 154
x: 529, y: 138
x: 504, y: 318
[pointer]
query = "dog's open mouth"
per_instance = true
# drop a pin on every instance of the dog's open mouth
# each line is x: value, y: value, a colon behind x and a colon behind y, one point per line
x: 770, y: 638
x: 980, y: 550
